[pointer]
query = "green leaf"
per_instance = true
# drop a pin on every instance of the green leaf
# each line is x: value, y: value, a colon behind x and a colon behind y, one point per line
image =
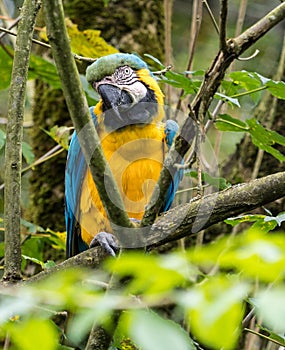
x: 227, y: 123
x: 180, y: 81
x: 149, y: 331
x: 270, y: 307
x: 32, y: 228
x: 244, y: 218
x: 91, y: 94
x: 49, y: 264
x: 261, y: 137
x: 215, y: 311
x: 34, y: 334
x: 278, y: 219
x: 39, y: 67
x: 254, y: 254
x: 219, y: 183
x: 276, y: 88
x: 157, y: 275
x: 44, y: 69
x: 34, y: 260
x: 261, y: 222
x: 2, y: 139
x: 247, y: 80
x: 33, y: 247
x: 156, y: 60
x: 28, y: 152
x: 57, y: 239
x: 2, y: 249
x: 233, y: 101
x: 60, y: 134
x: 6, y: 63
x: 274, y: 336
x: 265, y: 139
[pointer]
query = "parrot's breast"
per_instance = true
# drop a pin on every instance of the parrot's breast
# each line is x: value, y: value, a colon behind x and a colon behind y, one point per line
x: 135, y: 156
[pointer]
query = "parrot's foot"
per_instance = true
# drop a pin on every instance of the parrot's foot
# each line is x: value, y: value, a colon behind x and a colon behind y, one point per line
x: 106, y: 240
x: 135, y: 221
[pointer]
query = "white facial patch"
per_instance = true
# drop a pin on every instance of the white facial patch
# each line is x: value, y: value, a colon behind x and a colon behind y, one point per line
x: 137, y: 90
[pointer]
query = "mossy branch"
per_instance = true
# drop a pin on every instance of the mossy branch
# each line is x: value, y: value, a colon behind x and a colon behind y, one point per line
x: 188, y: 219
x: 200, y: 105
x: 79, y: 112
x: 14, y: 132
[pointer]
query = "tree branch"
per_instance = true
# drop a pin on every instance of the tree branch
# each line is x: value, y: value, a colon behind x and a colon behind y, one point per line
x: 223, y: 25
x: 79, y: 112
x: 14, y: 132
x: 201, y: 103
x: 188, y: 219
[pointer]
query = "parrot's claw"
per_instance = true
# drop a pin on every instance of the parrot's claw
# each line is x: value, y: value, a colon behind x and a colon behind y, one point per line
x: 135, y: 221
x: 106, y: 240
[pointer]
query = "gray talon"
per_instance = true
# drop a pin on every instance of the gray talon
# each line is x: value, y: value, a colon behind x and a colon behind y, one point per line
x: 106, y: 240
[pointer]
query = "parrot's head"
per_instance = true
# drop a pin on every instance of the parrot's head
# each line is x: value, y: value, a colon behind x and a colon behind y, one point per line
x: 129, y: 92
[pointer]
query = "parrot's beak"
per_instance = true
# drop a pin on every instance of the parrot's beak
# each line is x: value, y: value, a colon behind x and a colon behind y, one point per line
x: 116, y: 103
x: 113, y: 97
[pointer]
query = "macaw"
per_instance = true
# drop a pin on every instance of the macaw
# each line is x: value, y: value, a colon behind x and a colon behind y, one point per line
x: 128, y: 119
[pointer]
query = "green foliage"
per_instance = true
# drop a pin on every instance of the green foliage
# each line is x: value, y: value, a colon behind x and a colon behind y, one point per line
x: 39, y: 67
x: 27, y: 151
x: 217, y: 279
x: 60, y: 134
x: 215, y: 311
x: 6, y: 69
x: 33, y: 334
x: 2, y: 139
x: 161, y: 333
x: 219, y: 183
x: 262, y: 223
x: 263, y: 138
x: 33, y: 243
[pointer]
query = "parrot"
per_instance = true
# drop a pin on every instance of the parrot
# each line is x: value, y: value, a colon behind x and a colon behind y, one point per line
x: 129, y: 121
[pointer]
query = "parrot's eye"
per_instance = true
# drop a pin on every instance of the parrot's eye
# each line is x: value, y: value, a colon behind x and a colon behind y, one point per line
x: 123, y: 74
x: 127, y: 71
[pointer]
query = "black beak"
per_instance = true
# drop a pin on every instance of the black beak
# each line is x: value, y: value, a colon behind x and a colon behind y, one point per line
x: 116, y: 103
x: 113, y: 97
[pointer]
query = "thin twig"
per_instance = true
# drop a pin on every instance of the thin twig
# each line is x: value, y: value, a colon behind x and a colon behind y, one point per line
x: 212, y: 16
x: 7, y: 31
x: 263, y: 336
x: 12, y: 25
x: 223, y: 25
x: 55, y: 151
x: 38, y: 42
x: 195, y: 29
x: 166, y: 69
x: 167, y: 42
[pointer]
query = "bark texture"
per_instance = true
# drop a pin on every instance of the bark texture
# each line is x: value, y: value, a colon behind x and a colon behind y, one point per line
x: 14, y: 132
x: 188, y: 219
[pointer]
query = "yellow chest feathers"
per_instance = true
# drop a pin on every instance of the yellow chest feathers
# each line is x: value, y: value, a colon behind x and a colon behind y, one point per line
x: 135, y: 155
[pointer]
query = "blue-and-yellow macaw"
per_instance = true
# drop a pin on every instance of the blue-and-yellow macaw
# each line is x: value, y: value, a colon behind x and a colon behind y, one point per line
x: 128, y: 119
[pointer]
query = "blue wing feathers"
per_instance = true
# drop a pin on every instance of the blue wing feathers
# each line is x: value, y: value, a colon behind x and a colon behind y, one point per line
x: 170, y: 130
x: 75, y: 171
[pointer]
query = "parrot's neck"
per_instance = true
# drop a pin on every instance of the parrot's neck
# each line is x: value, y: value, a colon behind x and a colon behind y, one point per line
x: 133, y: 141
